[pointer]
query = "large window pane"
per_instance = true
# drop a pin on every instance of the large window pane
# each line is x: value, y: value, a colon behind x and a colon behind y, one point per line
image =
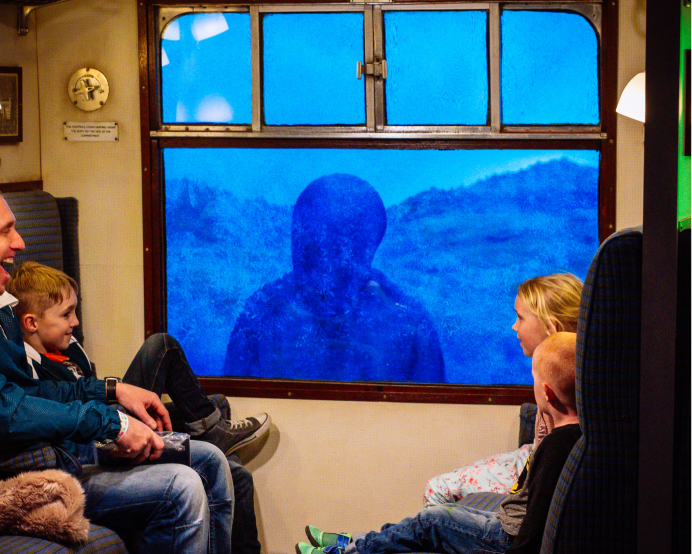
x: 310, y: 69
x: 206, y: 75
x: 437, y: 65
x: 409, y: 278
x: 549, y: 68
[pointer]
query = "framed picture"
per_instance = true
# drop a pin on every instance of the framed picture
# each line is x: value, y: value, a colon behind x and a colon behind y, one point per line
x: 10, y: 105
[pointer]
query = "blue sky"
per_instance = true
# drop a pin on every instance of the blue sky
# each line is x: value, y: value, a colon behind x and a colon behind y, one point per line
x: 396, y: 174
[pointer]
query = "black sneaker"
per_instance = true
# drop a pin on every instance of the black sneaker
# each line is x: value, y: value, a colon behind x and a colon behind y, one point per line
x: 229, y: 436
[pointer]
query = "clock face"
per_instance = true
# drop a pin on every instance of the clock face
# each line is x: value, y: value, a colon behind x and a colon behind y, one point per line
x: 88, y: 89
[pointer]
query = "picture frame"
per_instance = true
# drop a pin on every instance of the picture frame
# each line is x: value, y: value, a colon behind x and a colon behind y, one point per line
x: 11, y: 105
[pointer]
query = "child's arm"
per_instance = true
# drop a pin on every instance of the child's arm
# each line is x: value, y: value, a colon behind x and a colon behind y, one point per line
x: 494, y: 474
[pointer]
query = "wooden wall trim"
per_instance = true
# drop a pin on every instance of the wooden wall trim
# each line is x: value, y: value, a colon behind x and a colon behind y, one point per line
x: 21, y: 186
x: 368, y: 392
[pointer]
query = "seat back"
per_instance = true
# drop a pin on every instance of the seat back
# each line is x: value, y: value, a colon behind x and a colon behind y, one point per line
x: 594, y: 509
x: 49, y: 227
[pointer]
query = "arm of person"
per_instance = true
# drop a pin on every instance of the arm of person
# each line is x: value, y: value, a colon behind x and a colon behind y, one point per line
x: 138, y: 442
x: 24, y: 417
x: 144, y: 404
x: 544, y: 473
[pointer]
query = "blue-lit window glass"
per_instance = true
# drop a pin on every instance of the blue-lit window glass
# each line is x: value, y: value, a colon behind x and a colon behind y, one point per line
x: 206, y: 74
x: 402, y: 267
x: 549, y: 68
x: 309, y: 67
x: 437, y: 65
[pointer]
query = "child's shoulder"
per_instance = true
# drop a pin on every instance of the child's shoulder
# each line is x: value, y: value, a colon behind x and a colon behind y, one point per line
x: 560, y: 439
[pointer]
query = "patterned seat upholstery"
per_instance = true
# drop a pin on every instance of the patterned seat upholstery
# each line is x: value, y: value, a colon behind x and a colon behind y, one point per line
x: 48, y: 226
x: 594, y: 508
x: 101, y: 541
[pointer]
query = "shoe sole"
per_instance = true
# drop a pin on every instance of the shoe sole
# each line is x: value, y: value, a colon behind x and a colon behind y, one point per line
x: 252, y: 438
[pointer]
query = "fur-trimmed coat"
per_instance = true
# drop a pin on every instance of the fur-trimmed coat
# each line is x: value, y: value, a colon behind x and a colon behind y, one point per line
x: 48, y: 504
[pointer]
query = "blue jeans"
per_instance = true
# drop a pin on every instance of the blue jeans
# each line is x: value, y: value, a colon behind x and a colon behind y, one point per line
x: 161, y: 364
x: 443, y: 528
x: 173, y: 508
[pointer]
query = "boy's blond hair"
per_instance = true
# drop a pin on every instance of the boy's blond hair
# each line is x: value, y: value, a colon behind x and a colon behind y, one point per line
x: 553, y: 299
x: 38, y: 287
x: 555, y: 362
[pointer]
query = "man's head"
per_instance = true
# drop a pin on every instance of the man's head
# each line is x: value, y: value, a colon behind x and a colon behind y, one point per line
x: 47, y: 302
x: 554, y: 362
x: 10, y: 241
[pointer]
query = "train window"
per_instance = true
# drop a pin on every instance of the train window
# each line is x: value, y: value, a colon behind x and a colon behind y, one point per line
x: 317, y: 88
x: 437, y: 67
x: 394, y: 265
x: 549, y: 68
x: 348, y: 194
x: 198, y: 85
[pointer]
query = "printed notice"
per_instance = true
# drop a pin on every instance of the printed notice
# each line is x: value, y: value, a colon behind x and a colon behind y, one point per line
x: 90, y: 131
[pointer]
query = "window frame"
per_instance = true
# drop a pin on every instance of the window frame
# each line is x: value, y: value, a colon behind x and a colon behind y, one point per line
x: 156, y: 137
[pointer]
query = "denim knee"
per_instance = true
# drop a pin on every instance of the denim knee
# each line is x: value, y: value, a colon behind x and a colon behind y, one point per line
x: 159, y: 341
x: 187, y: 496
x: 212, y: 466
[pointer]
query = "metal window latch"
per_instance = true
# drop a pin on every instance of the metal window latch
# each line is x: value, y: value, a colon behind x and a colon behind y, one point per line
x: 378, y: 69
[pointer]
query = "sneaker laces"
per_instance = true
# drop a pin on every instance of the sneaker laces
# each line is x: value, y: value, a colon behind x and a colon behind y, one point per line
x: 240, y: 424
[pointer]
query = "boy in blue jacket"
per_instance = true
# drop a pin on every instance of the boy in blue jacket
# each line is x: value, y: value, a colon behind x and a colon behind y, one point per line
x: 47, y: 300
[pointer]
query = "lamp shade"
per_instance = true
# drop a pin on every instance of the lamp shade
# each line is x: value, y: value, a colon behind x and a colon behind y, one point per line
x: 633, y: 99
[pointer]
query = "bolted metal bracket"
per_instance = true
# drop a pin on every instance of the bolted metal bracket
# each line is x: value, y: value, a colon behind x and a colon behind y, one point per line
x: 23, y: 19
x: 378, y: 69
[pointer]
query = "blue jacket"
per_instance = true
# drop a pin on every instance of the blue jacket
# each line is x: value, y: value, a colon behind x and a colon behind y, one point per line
x: 48, y: 411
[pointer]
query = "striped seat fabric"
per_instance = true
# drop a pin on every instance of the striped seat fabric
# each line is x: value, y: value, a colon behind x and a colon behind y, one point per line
x: 49, y: 227
x: 101, y: 541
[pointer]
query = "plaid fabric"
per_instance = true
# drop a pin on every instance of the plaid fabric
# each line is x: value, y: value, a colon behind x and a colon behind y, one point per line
x: 101, y: 541
x: 40, y: 457
x: 681, y: 455
x: 594, y: 508
x: 69, y: 222
x: 488, y: 501
x: 527, y: 423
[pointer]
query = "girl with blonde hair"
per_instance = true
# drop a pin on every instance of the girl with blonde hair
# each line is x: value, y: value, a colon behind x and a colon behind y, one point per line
x: 544, y: 305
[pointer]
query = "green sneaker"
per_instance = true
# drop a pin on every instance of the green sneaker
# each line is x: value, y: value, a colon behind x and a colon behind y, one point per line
x: 305, y: 548
x: 321, y: 539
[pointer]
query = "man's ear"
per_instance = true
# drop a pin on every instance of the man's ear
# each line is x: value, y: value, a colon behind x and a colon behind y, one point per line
x: 29, y: 322
x: 549, y: 393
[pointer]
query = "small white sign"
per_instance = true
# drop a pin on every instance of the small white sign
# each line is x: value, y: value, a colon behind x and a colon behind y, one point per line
x: 90, y: 131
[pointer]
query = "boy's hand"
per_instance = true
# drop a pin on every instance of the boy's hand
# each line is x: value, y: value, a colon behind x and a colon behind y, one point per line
x: 143, y: 404
x: 139, y: 442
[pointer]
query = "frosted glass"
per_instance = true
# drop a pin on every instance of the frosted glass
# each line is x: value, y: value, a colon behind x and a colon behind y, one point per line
x: 206, y: 75
x: 549, y: 68
x: 437, y: 66
x: 310, y: 69
x: 401, y: 267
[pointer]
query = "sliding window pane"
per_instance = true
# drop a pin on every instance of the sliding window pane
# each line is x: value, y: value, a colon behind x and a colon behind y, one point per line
x: 437, y: 66
x: 310, y: 69
x: 206, y: 75
x: 393, y: 265
x: 549, y: 69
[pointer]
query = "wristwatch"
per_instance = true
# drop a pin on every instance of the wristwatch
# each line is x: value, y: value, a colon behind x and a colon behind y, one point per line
x: 110, y: 389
